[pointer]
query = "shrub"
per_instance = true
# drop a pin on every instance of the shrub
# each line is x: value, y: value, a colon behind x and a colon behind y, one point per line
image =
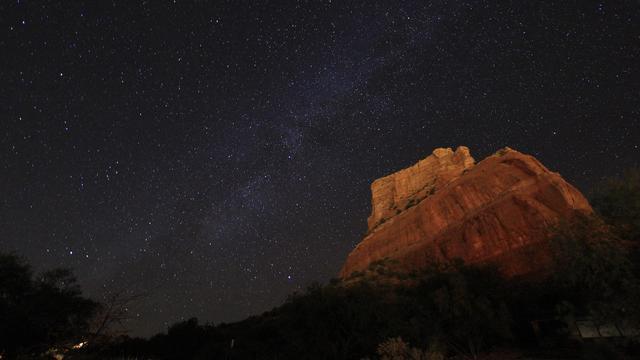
x: 397, y: 349
x: 594, y: 273
x: 618, y: 202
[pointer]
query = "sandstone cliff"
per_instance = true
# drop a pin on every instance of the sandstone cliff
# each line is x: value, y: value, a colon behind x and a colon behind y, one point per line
x: 445, y: 207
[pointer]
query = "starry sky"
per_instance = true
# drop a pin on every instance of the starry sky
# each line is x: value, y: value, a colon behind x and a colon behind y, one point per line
x: 217, y: 155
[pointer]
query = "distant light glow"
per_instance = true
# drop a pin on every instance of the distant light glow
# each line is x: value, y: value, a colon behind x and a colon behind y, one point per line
x: 79, y: 345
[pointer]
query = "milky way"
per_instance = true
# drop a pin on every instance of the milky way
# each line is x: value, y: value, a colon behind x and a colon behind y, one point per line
x: 217, y: 155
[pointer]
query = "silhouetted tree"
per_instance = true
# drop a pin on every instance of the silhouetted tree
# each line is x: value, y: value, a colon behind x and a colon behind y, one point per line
x: 40, y: 312
x: 617, y: 201
x: 113, y: 313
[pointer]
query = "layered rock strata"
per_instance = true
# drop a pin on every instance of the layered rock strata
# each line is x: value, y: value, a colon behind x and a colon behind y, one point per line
x: 446, y: 207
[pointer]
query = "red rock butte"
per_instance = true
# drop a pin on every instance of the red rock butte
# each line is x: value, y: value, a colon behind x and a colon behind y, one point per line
x: 498, y: 211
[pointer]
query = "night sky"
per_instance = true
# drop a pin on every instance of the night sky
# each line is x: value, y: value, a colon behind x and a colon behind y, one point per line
x: 218, y: 154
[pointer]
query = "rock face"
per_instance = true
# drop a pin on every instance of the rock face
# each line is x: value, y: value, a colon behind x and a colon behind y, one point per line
x: 446, y: 207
